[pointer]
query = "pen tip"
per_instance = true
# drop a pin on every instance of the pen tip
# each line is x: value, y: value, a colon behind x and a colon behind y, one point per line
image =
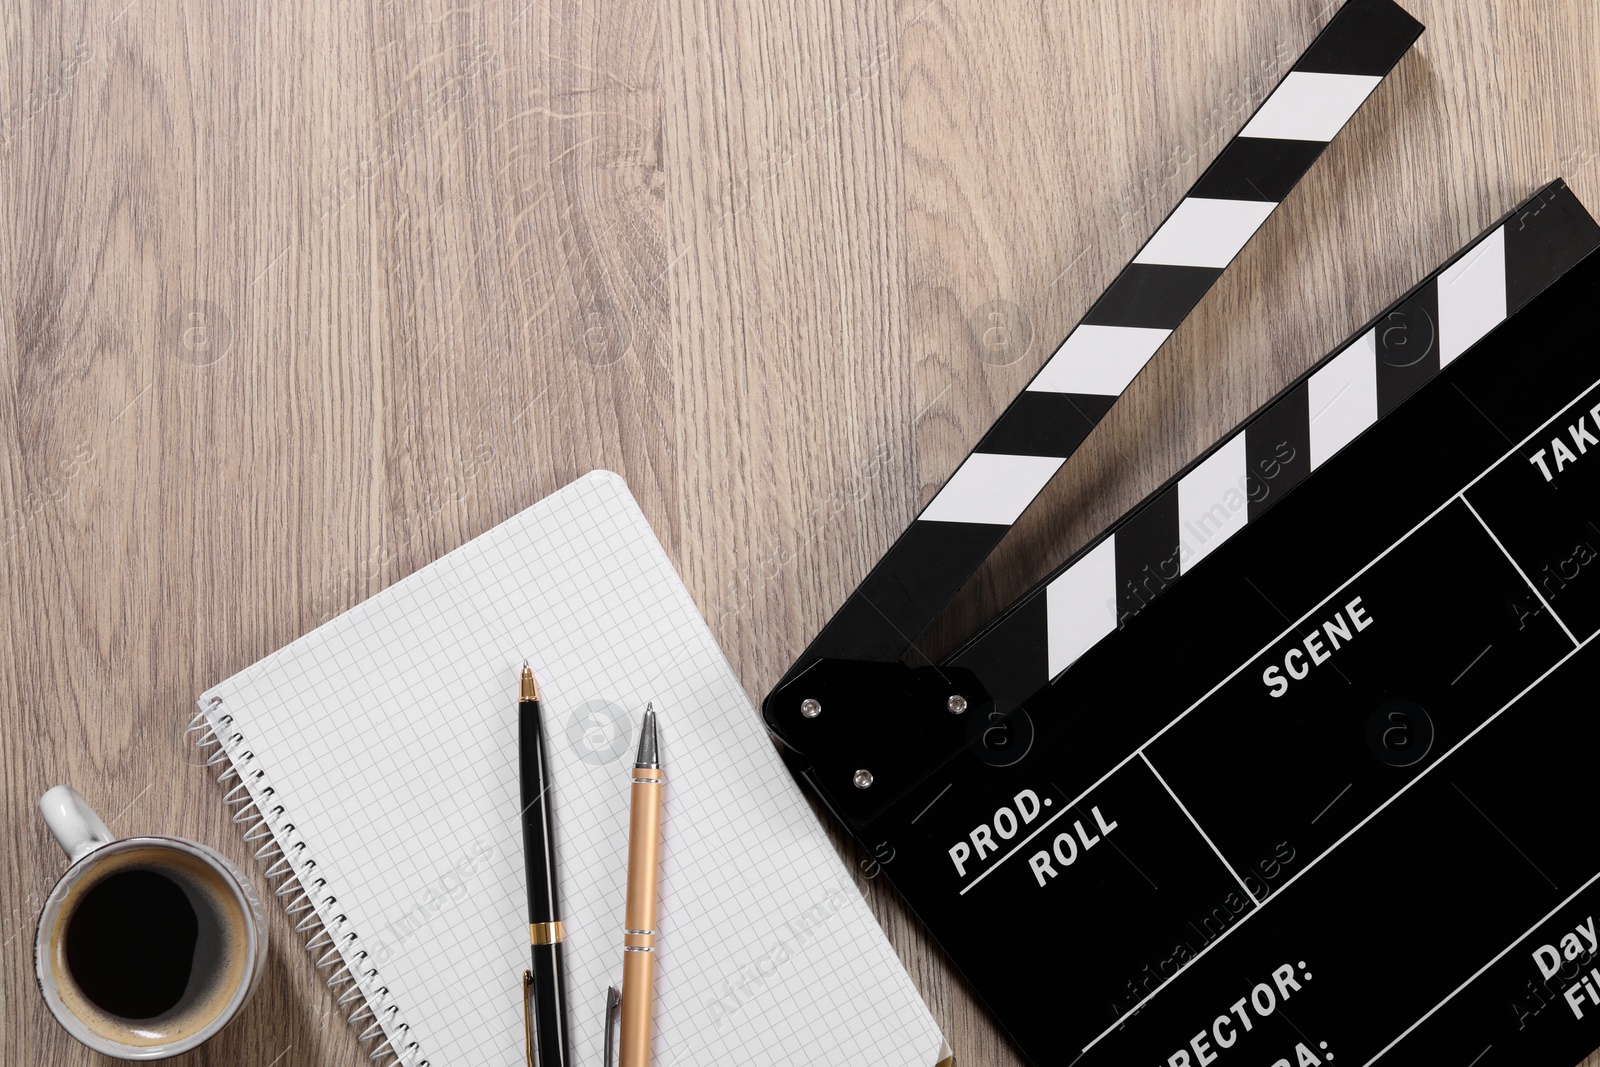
x: 528, y: 689
x: 649, y: 752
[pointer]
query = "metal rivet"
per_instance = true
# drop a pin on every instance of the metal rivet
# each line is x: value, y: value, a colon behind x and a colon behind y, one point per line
x: 957, y: 704
x: 862, y: 779
x: 810, y: 708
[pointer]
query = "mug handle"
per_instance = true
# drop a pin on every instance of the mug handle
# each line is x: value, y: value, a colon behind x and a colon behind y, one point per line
x: 77, y: 829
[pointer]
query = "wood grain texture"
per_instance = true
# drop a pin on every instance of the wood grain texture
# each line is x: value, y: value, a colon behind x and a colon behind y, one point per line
x: 300, y: 296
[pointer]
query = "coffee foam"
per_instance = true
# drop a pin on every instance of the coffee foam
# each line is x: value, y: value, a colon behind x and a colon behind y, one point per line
x: 220, y: 951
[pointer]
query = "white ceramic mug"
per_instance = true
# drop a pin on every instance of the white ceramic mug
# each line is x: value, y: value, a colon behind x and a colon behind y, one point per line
x: 147, y: 946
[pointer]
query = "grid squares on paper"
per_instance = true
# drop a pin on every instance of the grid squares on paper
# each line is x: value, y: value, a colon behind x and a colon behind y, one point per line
x: 389, y: 737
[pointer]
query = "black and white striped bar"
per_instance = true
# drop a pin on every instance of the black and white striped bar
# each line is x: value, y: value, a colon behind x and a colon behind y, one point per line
x: 1029, y: 442
x: 1215, y: 497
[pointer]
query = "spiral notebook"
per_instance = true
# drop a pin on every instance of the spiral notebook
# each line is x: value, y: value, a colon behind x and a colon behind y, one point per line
x: 374, y: 760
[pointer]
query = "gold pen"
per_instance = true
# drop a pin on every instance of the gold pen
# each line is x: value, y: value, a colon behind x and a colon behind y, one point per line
x: 639, y: 933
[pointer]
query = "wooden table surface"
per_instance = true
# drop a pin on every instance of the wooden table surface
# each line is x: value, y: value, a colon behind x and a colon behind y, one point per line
x: 300, y: 296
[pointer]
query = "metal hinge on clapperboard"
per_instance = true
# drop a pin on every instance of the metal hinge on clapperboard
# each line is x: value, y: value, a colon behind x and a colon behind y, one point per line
x: 861, y: 727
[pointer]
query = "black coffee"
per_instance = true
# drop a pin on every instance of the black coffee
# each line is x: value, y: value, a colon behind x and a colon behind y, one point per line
x: 130, y: 944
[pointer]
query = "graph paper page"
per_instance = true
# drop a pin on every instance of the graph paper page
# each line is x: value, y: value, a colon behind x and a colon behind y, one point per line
x: 388, y: 736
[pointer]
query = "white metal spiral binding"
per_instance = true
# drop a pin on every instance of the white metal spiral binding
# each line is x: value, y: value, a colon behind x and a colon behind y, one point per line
x: 291, y: 874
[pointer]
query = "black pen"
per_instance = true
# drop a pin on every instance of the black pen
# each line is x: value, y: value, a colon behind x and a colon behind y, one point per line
x: 546, y: 1024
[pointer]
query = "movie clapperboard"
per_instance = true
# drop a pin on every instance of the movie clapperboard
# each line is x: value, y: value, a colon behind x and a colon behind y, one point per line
x: 1289, y: 766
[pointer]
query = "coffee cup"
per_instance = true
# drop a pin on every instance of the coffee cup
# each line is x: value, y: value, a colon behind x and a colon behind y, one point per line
x: 147, y: 946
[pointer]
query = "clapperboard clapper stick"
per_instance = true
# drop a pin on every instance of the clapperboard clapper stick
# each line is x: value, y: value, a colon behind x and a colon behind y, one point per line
x: 860, y: 649
x: 1124, y: 328
x: 1306, y: 793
